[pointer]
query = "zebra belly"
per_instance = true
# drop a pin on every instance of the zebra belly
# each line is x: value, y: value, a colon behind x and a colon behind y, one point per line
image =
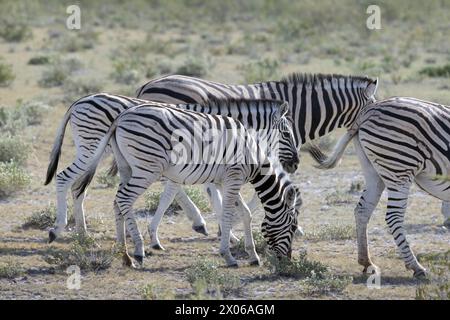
x: 195, y: 173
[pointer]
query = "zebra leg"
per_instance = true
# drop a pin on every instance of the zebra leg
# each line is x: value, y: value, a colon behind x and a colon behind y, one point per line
x: 166, y: 198
x: 191, y: 210
x: 396, y: 208
x: 64, y: 180
x: 121, y: 238
x: 78, y: 209
x: 249, y: 242
x: 365, y: 207
x: 445, y: 209
x: 215, y: 199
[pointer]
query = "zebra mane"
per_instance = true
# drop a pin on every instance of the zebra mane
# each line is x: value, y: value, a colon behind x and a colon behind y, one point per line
x: 317, y: 79
x: 238, y: 101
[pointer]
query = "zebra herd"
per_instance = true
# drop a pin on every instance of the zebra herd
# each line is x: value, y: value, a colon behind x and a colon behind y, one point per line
x: 398, y: 141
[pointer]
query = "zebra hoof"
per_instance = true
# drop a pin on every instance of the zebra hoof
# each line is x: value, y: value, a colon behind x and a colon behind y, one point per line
x: 158, y: 246
x: 201, y: 229
x: 139, y: 259
x: 420, y: 274
x: 51, y: 236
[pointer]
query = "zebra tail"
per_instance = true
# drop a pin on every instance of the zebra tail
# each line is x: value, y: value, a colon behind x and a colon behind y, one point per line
x: 86, y: 178
x: 56, y: 150
x: 330, y: 161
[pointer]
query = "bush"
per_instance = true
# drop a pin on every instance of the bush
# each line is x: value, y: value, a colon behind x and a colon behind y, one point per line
x: 79, y: 41
x: 6, y: 74
x: 155, y: 292
x: 54, y: 76
x: 337, y: 198
x: 12, y: 178
x: 333, y: 232
x: 10, y: 269
x: 262, y: 70
x: 442, y: 71
x: 13, y: 149
x: 107, y: 180
x: 260, y: 243
x: 438, y: 285
x: 205, y: 278
x: 195, y: 193
x: 80, y: 87
x: 13, y: 31
x: 84, y: 252
x: 15, y: 119
x: 45, y: 218
x: 39, y: 60
x: 125, y: 71
x: 193, y: 66
x: 316, y: 285
x: 299, y: 267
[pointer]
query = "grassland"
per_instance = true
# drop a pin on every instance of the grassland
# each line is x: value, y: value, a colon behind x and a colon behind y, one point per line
x: 123, y: 44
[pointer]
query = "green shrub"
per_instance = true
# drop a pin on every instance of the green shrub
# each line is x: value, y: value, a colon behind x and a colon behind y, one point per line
x: 45, y: 218
x: 77, y: 41
x: 262, y: 70
x: 155, y: 292
x: 333, y: 232
x: 198, y: 197
x: 84, y: 252
x: 107, y: 180
x: 299, y: 267
x: 6, y: 74
x: 194, y: 192
x: 193, y: 66
x: 441, y: 71
x: 13, y: 149
x: 319, y: 285
x: 260, y: 243
x: 12, y: 120
x: 338, y: 198
x: 54, y: 76
x: 438, y: 285
x: 13, y: 31
x: 12, y: 179
x: 10, y: 269
x: 205, y: 277
x: 80, y: 87
x: 39, y: 60
x: 126, y: 71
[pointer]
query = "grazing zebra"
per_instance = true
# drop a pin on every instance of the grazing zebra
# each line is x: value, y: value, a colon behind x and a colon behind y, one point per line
x: 398, y: 141
x: 90, y: 118
x: 318, y: 103
x: 145, y: 139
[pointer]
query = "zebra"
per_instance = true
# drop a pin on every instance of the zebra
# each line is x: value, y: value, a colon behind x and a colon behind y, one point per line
x: 90, y: 118
x: 399, y: 141
x: 319, y: 103
x: 143, y: 144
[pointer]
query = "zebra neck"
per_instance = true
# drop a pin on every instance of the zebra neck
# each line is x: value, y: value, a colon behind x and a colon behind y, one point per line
x: 269, y: 184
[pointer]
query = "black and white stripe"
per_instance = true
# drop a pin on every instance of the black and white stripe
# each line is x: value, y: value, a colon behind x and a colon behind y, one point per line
x: 399, y: 141
x: 143, y: 145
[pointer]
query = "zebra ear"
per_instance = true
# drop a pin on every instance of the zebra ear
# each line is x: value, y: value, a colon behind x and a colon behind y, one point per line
x: 372, y: 88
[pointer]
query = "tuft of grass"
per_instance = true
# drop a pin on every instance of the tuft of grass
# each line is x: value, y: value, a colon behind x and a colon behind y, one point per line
x: 260, y: 243
x: 126, y: 71
x: 13, y: 120
x: 54, y: 76
x: 338, y: 198
x: 155, y: 292
x: 6, y: 74
x: 79, y: 41
x: 300, y: 267
x: 45, y: 218
x: 321, y: 285
x: 84, y: 252
x: 13, y: 149
x: 439, y: 71
x: 39, y: 60
x: 262, y: 70
x: 106, y: 180
x: 206, y: 279
x: 13, y: 31
x: 198, y: 197
x: 333, y: 232
x: 10, y: 269
x: 75, y: 88
x: 193, y: 66
x: 438, y: 285
x: 12, y: 179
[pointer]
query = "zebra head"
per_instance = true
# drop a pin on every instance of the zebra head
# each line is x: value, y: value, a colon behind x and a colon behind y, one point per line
x: 279, y: 229
x: 287, y: 150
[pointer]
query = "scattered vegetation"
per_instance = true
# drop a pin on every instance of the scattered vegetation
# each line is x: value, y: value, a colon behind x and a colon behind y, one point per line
x: 338, y: 197
x: 13, y: 149
x: 107, y: 180
x: 357, y: 186
x: 45, y: 218
x: 6, y: 74
x: 333, y: 232
x: 300, y: 267
x: 80, y: 87
x: 438, y: 285
x: 10, y: 269
x: 207, y: 280
x: 12, y: 179
x: 59, y: 71
x: 260, y: 243
x: 262, y: 70
x: 155, y: 292
x: 77, y: 41
x: 441, y: 71
x: 193, y: 66
x: 84, y: 252
x: 14, y: 31
x: 39, y: 60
